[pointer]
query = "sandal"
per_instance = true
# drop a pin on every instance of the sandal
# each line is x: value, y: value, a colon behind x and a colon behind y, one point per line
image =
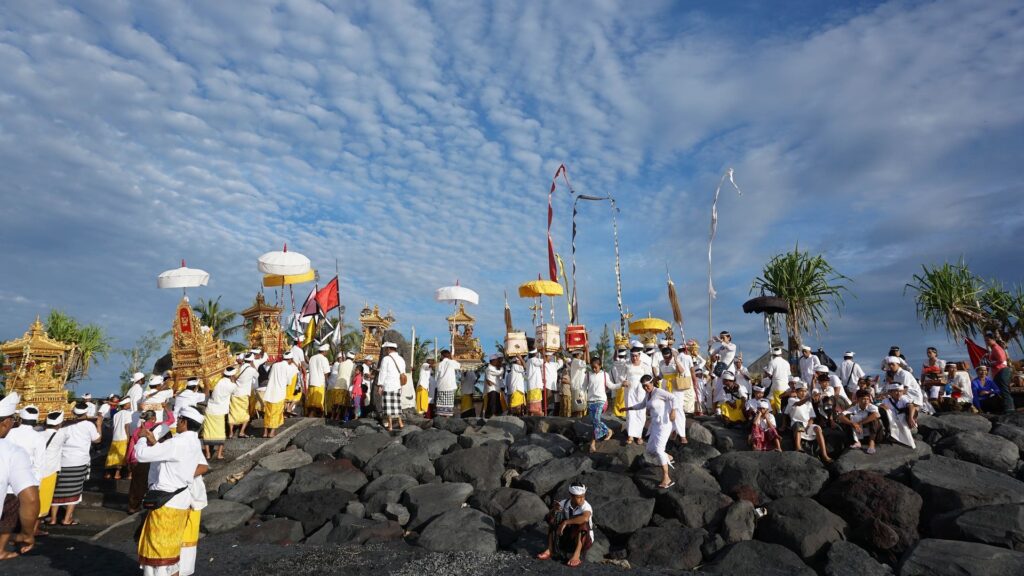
x: 666, y: 486
x: 72, y: 523
x: 545, y: 555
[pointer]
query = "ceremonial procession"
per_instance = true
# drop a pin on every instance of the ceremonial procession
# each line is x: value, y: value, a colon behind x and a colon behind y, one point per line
x: 486, y: 288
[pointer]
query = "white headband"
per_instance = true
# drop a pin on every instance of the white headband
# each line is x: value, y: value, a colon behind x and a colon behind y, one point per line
x: 577, y: 489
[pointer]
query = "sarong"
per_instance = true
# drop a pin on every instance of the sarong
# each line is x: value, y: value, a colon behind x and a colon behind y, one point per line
x: 213, y: 430
x: 46, y: 487
x: 776, y: 401
x: 293, y: 395
x: 535, y: 402
x: 391, y: 403
x: 315, y: 397
x: 9, y: 514
x: 518, y: 399
x: 336, y: 398
x: 69, y: 485
x: 565, y: 400
x: 117, y: 454
x: 189, y: 544
x: 619, y: 406
x: 239, y: 411
x: 669, y: 384
x: 494, y: 404
x: 445, y: 403
x: 600, y: 428
x: 732, y: 411
x: 466, y: 403
x: 422, y: 400
x: 162, y: 535
x: 273, y: 415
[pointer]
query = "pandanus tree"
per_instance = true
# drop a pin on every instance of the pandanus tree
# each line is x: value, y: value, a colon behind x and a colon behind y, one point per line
x: 811, y: 286
x: 91, y: 341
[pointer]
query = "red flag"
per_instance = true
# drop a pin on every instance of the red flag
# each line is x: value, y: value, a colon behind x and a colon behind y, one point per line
x: 977, y: 353
x: 309, y: 307
x: 327, y: 298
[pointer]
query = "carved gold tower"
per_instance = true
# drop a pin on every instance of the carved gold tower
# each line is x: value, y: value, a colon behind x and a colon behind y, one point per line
x: 195, y: 353
x: 465, y: 347
x: 373, y: 325
x: 263, y: 325
x: 36, y: 367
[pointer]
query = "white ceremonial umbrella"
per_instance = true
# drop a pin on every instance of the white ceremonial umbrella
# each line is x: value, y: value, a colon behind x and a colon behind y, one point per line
x: 456, y: 294
x: 283, y: 263
x: 183, y: 277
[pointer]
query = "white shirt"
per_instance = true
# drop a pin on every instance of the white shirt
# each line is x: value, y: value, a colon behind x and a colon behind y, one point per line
x: 577, y: 373
x: 721, y: 395
x: 342, y: 375
x: 33, y: 443
x: 121, y: 418
x: 515, y: 379
x: 803, y: 413
x: 534, y: 373
x: 446, y: 375
x: 742, y: 378
x: 319, y: 368
x: 16, y: 473
x: 858, y: 414
x: 596, y: 383
x: 298, y: 356
x: 219, y: 403
x: 659, y: 404
x: 849, y: 374
x: 493, y: 377
x: 90, y: 410
x: 551, y: 368
x: 281, y: 375
x: 135, y: 395
x: 726, y: 352
x: 572, y: 512
x: 469, y: 378
x: 245, y: 383
x: 104, y: 410
x: 174, y: 463
x: 78, y: 439
x: 807, y: 365
x: 912, y: 386
x: 391, y: 369
x: 51, y: 463
x: 187, y: 398
x: 426, y: 375
x: 779, y: 371
x: 962, y: 381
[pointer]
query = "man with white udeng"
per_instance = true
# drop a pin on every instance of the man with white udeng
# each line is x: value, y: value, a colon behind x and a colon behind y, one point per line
x: 283, y: 375
x: 391, y: 377
x: 319, y: 369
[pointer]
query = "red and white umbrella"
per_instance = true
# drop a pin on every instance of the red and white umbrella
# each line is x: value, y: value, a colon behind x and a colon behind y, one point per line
x: 183, y: 277
x: 283, y: 263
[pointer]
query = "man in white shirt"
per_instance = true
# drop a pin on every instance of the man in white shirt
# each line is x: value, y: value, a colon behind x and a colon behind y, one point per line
x: 31, y: 441
x: 319, y: 369
x: 18, y: 483
x: 850, y: 373
x: 911, y: 387
x: 391, y: 378
x: 551, y: 367
x: 339, y: 387
x: 298, y: 356
x: 188, y: 397
x: 723, y: 351
x: 444, y: 399
x: 494, y: 379
x: 135, y: 392
x: 425, y: 387
x: 807, y: 364
x: 78, y: 438
x: 801, y: 415
x: 217, y: 408
x: 283, y: 375
x: 570, y: 526
x: 241, y: 397
x: 535, y: 384
x: 117, y: 454
x: 154, y: 399
x: 862, y: 420
x: 779, y: 371
x: 830, y: 385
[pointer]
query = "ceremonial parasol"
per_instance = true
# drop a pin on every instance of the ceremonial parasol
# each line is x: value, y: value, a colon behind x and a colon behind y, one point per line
x: 456, y: 294
x: 538, y: 288
x: 648, y: 326
x: 183, y: 277
x: 274, y: 280
x: 283, y: 263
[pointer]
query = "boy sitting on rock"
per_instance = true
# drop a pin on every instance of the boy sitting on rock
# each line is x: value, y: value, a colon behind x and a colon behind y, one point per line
x: 570, y: 526
x: 801, y: 415
x: 862, y: 420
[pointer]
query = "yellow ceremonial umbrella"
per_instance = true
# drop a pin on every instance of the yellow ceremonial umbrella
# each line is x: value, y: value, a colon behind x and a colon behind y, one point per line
x: 270, y: 280
x: 646, y: 326
x: 538, y: 288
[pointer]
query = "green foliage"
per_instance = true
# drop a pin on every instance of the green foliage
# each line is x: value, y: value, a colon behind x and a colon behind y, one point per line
x: 811, y: 286
x: 137, y: 357
x: 92, y: 341
x: 604, y: 346
x: 965, y: 305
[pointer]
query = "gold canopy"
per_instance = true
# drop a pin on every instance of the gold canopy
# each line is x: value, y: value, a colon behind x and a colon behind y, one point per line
x: 36, y: 367
x: 263, y: 324
x: 465, y: 348
x: 195, y: 352
x: 373, y: 325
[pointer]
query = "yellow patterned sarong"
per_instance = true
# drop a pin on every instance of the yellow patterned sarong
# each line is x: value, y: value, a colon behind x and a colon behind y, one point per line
x: 422, y: 400
x: 619, y: 407
x: 535, y: 399
x: 161, y: 539
x: 776, y: 401
x: 273, y: 415
x: 117, y: 455
x: 518, y: 399
x: 336, y: 397
x: 239, y: 411
x: 191, y: 534
x: 732, y: 411
x: 291, y: 395
x: 315, y: 397
x: 669, y: 382
x: 46, y: 487
x: 213, y: 429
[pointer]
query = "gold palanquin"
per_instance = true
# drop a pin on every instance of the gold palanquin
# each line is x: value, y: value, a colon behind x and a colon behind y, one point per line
x: 263, y: 324
x: 373, y: 325
x: 195, y: 353
x: 465, y: 348
x: 36, y: 367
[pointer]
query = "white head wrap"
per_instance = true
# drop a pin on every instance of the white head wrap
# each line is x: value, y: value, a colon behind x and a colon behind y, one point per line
x: 389, y: 345
x: 894, y: 360
x: 138, y: 377
x: 55, y: 418
x: 155, y: 381
x: 287, y: 355
x: 893, y: 386
x: 79, y: 411
x: 758, y: 389
x: 728, y: 375
x: 324, y: 347
x: 29, y: 413
x: 577, y: 489
x: 192, y: 414
x: 230, y: 371
x: 764, y: 404
x: 820, y: 368
x: 776, y: 351
x: 350, y: 355
x: 849, y: 354
x: 805, y: 347
x: 192, y: 383
x: 800, y: 385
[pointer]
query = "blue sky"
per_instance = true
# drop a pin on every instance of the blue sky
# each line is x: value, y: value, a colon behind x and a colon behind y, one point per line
x: 415, y: 142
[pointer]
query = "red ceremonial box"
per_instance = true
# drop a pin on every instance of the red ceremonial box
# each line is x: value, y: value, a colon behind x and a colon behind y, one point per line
x: 576, y: 337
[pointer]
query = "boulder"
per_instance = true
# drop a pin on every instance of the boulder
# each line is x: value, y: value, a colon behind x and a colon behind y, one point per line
x: 617, y: 456
x: 552, y: 424
x: 433, y: 442
x: 888, y: 459
x: 543, y: 478
x: 557, y: 444
x: 474, y: 437
x: 397, y: 513
x: 274, y: 531
x: 314, y: 508
x: 599, y: 549
x: 513, y: 510
x: 738, y: 522
x: 727, y: 439
x: 623, y: 516
x: 1012, y: 433
x: 328, y: 441
x: 688, y: 478
x: 511, y: 424
x: 341, y: 474
x: 1000, y: 525
x: 695, y: 432
x: 224, y: 515
x: 482, y: 466
x: 357, y: 509
x: 454, y: 425
x: 523, y: 456
x: 320, y: 535
x: 304, y: 436
x: 989, y: 450
x: 883, y: 514
x: 389, y: 483
x: 694, y: 509
x: 950, y: 423
x: 800, y: 524
x: 666, y: 547
x: 460, y: 530
x: 934, y: 557
x: 259, y: 483
x: 427, y: 501
x: 601, y: 486
x: 846, y: 559
x: 770, y: 474
x: 757, y: 558
x: 364, y: 447
x: 286, y: 460
x: 356, y: 531
x: 695, y: 453
x: 397, y: 459
x: 947, y: 484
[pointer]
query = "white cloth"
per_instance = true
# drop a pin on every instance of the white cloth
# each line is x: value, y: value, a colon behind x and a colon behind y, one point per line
x: 856, y: 414
x: 135, y: 395
x: 16, y: 473
x: 779, y: 371
x: 343, y: 375
x: 34, y: 445
x: 245, y: 383
x: 172, y: 465
x: 219, y: 403
x: 807, y: 366
x: 515, y: 379
x: 911, y: 387
x: 598, y: 384
x: 78, y: 439
x: 721, y: 395
x: 802, y: 413
x: 391, y: 369
x: 425, y: 377
x: 573, y: 511
x: 551, y: 368
x: 962, y: 381
x: 534, y: 373
x: 298, y: 356
x: 122, y: 418
x: 577, y: 374
x: 660, y: 405
x: 187, y: 399
x: 726, y: 352
x: 849, y: 374
x: 899, y: 429
x: 281, y: 375
x: 53, y: 450
x: 493, y: 379
x: 635, y: 395
x: 104, y: 410
x: 446, y: 375
x: 903, y: 363
x: 319, y: 368
x: 742, y: 378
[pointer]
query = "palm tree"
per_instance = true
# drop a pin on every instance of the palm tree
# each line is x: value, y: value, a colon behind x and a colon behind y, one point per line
x: 964, y: 305
x: 91, y: 340
x: 222, y: 322
x: 809, y: 284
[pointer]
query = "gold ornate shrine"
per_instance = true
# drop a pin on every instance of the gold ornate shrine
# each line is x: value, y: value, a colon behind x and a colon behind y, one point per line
x: 373, y: 325
x: 195, y: 353
x: 465, y: 348
x: 36, y: 367
x: 263, y: 325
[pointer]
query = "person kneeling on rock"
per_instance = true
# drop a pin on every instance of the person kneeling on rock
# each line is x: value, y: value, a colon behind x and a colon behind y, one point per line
x: 570, y: 526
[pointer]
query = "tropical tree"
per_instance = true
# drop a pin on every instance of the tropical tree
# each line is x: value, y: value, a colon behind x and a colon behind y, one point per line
x: 604, y: 346
x: 965, y: 305
x: 222, y: 321
x: 136, y: 357
x: 91, y: 340
x: 809, y: 284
